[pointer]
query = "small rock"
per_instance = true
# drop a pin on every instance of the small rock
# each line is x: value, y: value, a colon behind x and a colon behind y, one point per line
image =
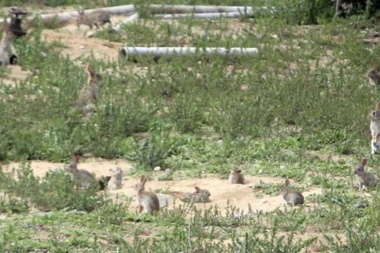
x: 90, y: 34
x: 157, y: 168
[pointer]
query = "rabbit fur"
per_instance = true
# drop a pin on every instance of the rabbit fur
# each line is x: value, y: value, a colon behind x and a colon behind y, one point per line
x: 373, y: 75
x: 365, y: 179
x: 291, y: 198
x: 374, y: 125
x: 96, y: 18
x: 116, y: 179
x: 199, y: 196
x: 8, y: 53
x: 89, y: 94
x: 236, y: 177
x: 85, y: 178
x: 147, y: 201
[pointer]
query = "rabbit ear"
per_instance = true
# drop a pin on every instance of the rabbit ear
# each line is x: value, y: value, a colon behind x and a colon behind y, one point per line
x: 373, y: 65
x: 143, y: 179
x: 197, y: 189
x: 364, y: 162
x: 90, y: 68
x: 81, y: 12
x: 287, y: 182
x: 75, y: 158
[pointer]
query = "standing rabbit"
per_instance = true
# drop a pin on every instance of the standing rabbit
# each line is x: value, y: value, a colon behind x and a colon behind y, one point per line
x: 291, y: 198
x: 373, y: 75
x: 89, y: 94
x: 199, y: 196
x: 115, y: 182
x: 8, y: 54
x: 365, y: 179
x: 96, y: 18
x: 374, y: 117
x: 83, y: 177
x: 147, y: 201
x: 236, y: 177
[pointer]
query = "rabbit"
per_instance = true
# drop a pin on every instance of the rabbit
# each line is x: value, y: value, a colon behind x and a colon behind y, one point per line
x: 375, y: 144
x: 95, y: 18
x: 365, y: 179
x: 374, y: 117
x: 8, y: 53
x: 85, y: 178
x: 115, y: 182
x: 147, y: 201
x: 103, y: 182
x: 291, y: 198
x: 89, y: 94
x: 236, y: 177
x: 199, y: 196
x: 373, y: 75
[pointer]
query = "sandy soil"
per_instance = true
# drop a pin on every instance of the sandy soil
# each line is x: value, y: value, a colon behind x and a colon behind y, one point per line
x: 222, y: 192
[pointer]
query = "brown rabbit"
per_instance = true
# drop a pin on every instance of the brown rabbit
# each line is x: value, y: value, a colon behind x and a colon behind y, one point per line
x: 84, y: 178
x: 374, y: 117
x: 8, y: 54
x: 96, y: 18
x: 236, y: 177
x: 373, y: 75
x: 147, y: 201
x: 103, y: 182
x: 199, y: 196
x: 365, y: 179
x: 291, y: 198
x: 89, y: 94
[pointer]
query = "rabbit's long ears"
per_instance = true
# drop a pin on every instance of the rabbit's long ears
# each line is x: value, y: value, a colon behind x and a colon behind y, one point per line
x: 143, y: 179
x: 364, y: 162
x: 377, y: 106
x: 75, y: 158
x: 197, y: 189
x: 287, y: 182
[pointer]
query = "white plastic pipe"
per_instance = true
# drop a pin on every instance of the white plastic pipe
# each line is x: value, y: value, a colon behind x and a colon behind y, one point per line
x: 203, y: 15
x: 165, y: 51
x: 66, y: 16
x: 129, y: 19
x: 158, y: 8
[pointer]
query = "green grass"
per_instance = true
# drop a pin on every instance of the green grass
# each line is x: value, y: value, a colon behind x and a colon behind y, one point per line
x: 306, y: 91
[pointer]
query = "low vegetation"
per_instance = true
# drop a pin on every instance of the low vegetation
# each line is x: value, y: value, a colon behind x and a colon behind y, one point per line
x: 285, y: 112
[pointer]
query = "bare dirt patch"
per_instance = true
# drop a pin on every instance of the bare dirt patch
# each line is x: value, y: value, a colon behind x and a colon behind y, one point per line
x: 223, y: 194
